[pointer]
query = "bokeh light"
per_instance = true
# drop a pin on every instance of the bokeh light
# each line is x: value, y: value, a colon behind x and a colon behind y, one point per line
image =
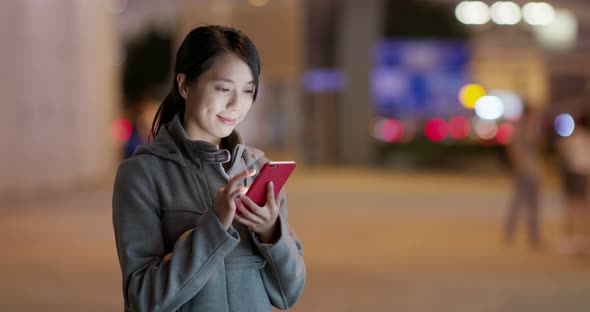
x: 564, y: 125
x: 512, y: 103
x: 505, y: 133
x: 375, y: 127
x: 459, y: 127
x: 538, y: 13
x: 562, y: 34
x: 469, y: 94
x: 485, y: 129
x: 436, y: 129
x: 320, y: 80
x: 391, y: 130
x: 505, y: 13
x: 489, y: 107
x: 472, y: 12
x: 121, y: 130
x: 386, y: 130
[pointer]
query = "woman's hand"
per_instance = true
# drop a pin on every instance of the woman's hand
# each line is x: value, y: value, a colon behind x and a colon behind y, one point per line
x: 225, y: 206
x: 262, y: 220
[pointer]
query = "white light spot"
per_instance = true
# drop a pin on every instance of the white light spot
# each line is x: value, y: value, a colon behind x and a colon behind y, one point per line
x: 472, y: 12
x: 489, y: 107
x: 538, y: 13
x: 506, y: 13
x: 562, y: 34
x: 512, y: 103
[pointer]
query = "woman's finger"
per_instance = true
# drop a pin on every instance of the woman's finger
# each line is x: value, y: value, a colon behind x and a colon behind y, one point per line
x: 245, y: 222
x: 236, y: 180
x: 242, y: 175
x: 250, y: 204
x: 234, y: 194
x: 270, y: 194
x: 248, y: 214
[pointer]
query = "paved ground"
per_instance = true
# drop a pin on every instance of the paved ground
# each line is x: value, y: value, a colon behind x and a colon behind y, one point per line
x: 373, y: 242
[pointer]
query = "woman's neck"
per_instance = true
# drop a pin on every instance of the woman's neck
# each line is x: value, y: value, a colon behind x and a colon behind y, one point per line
x: 196, y: 133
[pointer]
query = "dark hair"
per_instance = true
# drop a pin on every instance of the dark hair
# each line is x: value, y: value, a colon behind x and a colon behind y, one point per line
x: 196, y: 55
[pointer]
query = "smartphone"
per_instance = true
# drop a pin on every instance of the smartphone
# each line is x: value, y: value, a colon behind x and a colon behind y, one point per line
x: 276, y: 171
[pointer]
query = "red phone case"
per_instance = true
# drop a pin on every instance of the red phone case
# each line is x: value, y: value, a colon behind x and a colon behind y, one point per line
x: 276, y: 171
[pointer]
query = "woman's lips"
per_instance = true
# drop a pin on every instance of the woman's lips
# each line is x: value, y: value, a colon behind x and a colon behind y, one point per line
x: 227, y: 121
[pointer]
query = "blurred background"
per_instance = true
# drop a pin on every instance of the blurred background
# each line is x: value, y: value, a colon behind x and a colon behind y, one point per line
x: 410, y: 121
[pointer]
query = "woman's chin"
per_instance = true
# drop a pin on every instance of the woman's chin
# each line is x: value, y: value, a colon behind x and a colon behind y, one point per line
x: 225, y: 132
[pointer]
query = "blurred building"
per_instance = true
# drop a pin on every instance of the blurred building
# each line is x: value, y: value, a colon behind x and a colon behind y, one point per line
x: 59, y: 95
x: 62, y: 66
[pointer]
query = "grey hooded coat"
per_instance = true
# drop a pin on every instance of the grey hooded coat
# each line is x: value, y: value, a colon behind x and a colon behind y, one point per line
x: 174, y: 253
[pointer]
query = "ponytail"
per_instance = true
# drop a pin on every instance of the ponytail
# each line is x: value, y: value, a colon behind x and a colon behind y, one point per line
x: 173, y: 104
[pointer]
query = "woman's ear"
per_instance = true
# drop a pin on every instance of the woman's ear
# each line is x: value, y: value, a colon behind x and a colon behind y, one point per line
x: 182, y: 85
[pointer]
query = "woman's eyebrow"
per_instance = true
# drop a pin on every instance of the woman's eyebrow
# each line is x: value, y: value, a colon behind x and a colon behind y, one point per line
x: 230, y: 81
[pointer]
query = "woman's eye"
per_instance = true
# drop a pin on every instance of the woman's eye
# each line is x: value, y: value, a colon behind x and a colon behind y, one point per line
x: 221, y: 89
x: 249, y: 91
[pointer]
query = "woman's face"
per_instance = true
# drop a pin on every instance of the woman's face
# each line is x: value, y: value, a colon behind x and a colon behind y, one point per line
x: 219, y: 100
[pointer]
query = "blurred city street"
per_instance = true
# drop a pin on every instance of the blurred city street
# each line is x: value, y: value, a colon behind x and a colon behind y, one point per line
x: 408, y: 120
x: 374, y: 241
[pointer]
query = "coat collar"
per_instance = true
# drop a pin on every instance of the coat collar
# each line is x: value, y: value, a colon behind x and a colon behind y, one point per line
x: 173, y: 143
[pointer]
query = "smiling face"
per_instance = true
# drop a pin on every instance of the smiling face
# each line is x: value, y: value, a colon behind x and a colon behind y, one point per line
x: 219, y: 100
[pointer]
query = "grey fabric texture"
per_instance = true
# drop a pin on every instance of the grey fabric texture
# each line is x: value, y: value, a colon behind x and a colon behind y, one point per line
x: 175, y: 254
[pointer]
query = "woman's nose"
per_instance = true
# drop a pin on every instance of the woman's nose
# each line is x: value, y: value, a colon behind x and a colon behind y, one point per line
x: 233, y: 101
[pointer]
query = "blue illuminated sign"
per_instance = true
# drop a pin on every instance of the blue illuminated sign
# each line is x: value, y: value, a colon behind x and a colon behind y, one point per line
x: 413, y: 79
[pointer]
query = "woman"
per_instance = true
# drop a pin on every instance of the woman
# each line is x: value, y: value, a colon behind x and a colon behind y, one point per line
x: 180, y: 242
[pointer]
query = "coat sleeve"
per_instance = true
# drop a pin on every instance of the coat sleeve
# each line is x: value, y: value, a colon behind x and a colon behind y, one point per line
x: 284, y: 277
x: 152, y: 279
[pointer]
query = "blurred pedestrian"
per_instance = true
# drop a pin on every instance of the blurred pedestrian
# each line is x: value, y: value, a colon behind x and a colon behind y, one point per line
x: 524, y: 152
x: 180, y: 242
x: 140, y: 116
x: 574, y: 154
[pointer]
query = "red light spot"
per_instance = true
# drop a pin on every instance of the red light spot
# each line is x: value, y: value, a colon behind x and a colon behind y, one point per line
x: 459, y: 127
x: 392, y: 130
x: 121, y: 130
x: 436, y: 129
x: 505, y: 133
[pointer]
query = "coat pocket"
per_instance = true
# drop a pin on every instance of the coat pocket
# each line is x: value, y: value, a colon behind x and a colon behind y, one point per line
x: 245, y: 288
x: 244, y: 262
